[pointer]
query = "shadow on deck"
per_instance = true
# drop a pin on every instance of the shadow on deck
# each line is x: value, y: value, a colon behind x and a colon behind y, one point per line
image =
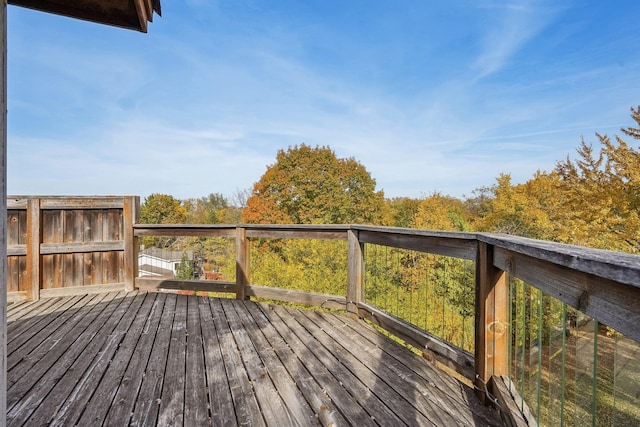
x: 161, y: 359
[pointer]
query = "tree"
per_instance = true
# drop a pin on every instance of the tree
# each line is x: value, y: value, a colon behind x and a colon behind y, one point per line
x: 185, y: 268
x: 403, y: 211
x: 523, y: 209
x: 601, y: 190
x: 311, y: 185
x: 438, y: 212
x: 593, y: 200
x: 206, y: 210
x: 162, y: 209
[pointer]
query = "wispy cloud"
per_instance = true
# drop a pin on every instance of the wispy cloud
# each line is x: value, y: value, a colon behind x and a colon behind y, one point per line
x: 509, y: 26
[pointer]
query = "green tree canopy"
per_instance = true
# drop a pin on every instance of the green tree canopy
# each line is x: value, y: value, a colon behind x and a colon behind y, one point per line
x: 206, y: 210
x: 402, y: 211
x: 311, y: 185
x: 162, y: 209
x: 185, y: 268
x: 438, y: 212
x: 523, y: 209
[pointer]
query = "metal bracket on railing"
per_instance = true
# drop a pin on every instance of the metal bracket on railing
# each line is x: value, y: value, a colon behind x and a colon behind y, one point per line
x: 485, y: 390
x: 505, y: 415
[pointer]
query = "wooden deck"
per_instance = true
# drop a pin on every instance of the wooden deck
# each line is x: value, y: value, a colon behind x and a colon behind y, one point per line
x: 160, y: 359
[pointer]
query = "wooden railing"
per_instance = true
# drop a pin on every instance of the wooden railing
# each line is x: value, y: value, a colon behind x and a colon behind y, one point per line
x: 62, y: 245
x: 604, y: 285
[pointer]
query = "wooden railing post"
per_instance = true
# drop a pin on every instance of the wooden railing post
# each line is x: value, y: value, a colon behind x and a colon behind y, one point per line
x: 3, y: 212
x: 242, y: 263
x: 355, y: 271
x: 34, y: 260
x: 492, y: 319
x: 130, y: 214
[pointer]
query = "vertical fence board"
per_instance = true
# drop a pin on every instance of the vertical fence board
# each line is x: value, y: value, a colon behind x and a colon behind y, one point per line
x: 33, y: 260
x: 96, y: 236
x: 97, y: 270
x: 68, y: 226
x: 58, y: 270
x: 24, y: 273
x: 87, y: 237
x: 22, y: 240
x: 13, y: 238
x: 67, y: 272
x: 13, y: 227
x: 77, y: 222
x: 110, y: 220
x: 88, y: 267
x: 13, y: 274
x: 47, y: 271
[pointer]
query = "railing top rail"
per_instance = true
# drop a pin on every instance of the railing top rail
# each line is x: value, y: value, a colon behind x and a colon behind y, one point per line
x: 301, y: 227
x: 68, y: 202
x: 618, y: 266
x: 286, y: 227
x: 460, y: 235
x: 183, y: 226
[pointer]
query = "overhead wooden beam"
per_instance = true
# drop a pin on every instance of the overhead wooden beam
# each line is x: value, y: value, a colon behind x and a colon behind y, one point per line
x: 130, y: 14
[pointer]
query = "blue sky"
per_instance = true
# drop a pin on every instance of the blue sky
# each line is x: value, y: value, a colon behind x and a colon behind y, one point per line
x: 429, y: 96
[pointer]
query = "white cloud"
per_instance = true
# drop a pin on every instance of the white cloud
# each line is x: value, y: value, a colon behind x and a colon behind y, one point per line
x: 508, y: 28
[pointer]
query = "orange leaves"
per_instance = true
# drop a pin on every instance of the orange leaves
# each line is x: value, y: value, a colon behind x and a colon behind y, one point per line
x: 311, y: 185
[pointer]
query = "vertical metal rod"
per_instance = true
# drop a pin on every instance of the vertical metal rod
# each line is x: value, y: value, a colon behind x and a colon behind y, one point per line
x: 426, y: 293
x: 564, y: 360
x: 539, y: 376
x: 523, y: 346
x: 594, y: 382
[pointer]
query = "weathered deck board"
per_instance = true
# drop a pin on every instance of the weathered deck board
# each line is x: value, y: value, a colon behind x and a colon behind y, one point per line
x: 162, y: 359
x: 129, y: 385
x: 300, y: 410
x: 195, y: 408
x: 221, y: 401
x: 421, y: 376
x: 31, y: 384
x: 245, y: 403
x: 145, y: 411
x: 462, y: 396
x: 332, y: 377
x: 95, y: 410
x: 399, y: 402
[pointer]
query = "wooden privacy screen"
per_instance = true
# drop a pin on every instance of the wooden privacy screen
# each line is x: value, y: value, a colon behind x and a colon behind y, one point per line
x: 67, y: 245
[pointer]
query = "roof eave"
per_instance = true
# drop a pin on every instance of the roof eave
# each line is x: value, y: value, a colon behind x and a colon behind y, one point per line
x: 130, y: 14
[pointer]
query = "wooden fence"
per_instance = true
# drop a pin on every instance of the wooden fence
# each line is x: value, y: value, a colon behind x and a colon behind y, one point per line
x: 67, y: 245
